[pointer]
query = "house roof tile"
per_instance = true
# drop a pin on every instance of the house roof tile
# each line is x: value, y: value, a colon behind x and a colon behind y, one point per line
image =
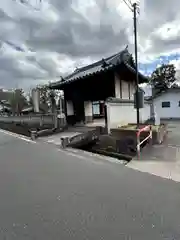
x: 100, y: 66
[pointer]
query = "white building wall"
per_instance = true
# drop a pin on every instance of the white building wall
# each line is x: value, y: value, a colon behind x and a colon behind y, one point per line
x: 123, y: 89
x: 145, y: 113
x: 70, y: 108
x: 119, y: 114
x: 132, y: 90
x: 117, y: 86
x: 173, y: 111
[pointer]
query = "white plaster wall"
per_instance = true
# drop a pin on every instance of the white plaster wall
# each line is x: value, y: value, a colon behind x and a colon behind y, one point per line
x: 132, y: 90
x: 70, y: 109
x: 125, y: 88
x: 119, y: 114
x: 145, y: 113
x: 173, y: 111
x: 88, y: 108
x: 117, y: 87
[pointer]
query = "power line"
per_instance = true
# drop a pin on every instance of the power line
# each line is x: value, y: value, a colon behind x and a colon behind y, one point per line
x: 129, y: 5
x: 129, y: 1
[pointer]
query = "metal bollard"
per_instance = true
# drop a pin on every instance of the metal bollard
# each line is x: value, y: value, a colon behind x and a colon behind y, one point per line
x: 33, y: 135
x: 64, y: 142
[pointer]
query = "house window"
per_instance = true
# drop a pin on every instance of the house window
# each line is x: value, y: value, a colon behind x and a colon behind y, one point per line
x: 166, y: 105
x: 98, y: 109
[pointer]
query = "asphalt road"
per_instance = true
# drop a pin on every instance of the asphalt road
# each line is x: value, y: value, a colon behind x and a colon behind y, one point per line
x: 50, y: 195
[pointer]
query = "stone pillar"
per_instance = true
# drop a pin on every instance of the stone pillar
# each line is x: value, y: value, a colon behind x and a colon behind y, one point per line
x: 36, y: 99
x: 61, y: 117
x: 88, y: 111
x: 108, y: 118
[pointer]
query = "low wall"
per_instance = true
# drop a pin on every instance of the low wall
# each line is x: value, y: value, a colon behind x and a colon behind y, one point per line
x: 145, y: 113
x: 40, y: 120
x: 121, y: 112
x: 42, y: 124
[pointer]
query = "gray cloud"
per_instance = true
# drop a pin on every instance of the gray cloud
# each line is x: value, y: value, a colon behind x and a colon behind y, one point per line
x: 156, y: 14
x: 61, y: 35
x: 75, y: 36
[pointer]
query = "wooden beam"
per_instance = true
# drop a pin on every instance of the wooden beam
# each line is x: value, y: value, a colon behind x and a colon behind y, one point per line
x: 129, y: 90
x: 120, y: 88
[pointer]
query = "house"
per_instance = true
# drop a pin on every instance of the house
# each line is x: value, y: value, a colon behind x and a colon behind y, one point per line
x: 167, y: 103
x: 87, y: 88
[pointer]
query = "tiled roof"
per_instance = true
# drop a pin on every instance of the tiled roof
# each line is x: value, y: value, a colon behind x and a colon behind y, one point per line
x: 98, y: 67
x: 158, y: 92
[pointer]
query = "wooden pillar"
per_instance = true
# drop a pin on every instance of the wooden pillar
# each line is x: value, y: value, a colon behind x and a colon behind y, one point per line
x: 88, y: 111
x: 106, y: 118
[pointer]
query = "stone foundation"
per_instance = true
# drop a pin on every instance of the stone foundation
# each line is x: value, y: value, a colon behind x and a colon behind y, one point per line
x: 158, y: 136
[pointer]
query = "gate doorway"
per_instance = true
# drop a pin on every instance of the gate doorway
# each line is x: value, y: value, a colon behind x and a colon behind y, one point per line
x: 79, y: 111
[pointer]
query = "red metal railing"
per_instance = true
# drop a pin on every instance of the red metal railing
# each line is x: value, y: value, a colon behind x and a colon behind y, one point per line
x: 139, y: 143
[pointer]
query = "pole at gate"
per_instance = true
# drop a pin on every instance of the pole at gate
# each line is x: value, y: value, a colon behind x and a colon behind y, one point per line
x: 134, y: 9
x: 136, y: 61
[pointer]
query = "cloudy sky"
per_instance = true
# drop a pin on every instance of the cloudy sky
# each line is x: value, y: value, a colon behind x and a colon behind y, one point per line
x: 41, y: 40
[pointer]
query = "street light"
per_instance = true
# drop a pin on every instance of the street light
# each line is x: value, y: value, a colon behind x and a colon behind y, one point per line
x: 134, y: 8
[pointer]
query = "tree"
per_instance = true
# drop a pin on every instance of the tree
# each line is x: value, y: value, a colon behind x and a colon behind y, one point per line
x: 30, y: 100
x: 175, y: 85
x: 17, y: 101
x: 47, y: 98
x: 52, y: 96
x: 163, y: 77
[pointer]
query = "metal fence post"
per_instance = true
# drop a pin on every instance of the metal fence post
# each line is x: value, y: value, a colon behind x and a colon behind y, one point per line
x: 138, y: 145
x: 55, y: 120
x: 41, y: 121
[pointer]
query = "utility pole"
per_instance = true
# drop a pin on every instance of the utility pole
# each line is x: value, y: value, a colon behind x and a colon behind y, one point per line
x: 134, y: 8
x: 136, y: 61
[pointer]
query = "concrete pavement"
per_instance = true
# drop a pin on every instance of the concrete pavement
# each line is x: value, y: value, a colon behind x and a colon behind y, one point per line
x: 162, y: 160
x: 50, y: 194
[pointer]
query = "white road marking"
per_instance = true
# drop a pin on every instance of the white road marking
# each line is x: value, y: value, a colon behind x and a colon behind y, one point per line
x: 50, y: 141
x: 95, y: 155
x: 90, y: 156
x: 17, y: 136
